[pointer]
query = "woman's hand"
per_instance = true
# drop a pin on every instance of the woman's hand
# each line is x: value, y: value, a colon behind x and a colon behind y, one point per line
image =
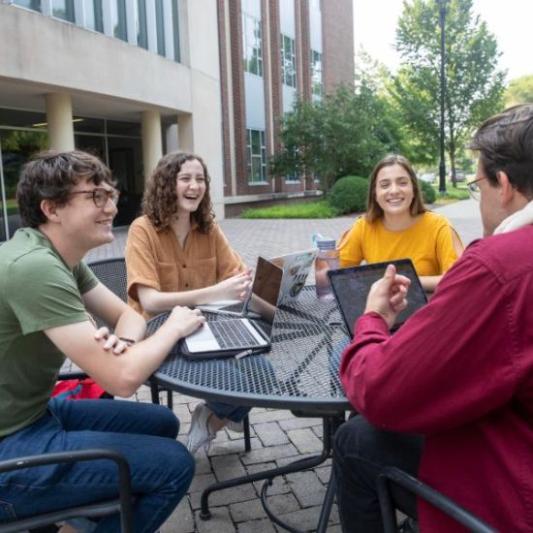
x: 110, y: 341
x: 387, y: 296
x: 185, y: 320
x: 234, y: 288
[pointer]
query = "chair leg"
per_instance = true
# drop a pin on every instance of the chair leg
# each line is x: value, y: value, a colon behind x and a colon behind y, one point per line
x: 246, y: 425
x: 154, y: 389
x: 170, y: 399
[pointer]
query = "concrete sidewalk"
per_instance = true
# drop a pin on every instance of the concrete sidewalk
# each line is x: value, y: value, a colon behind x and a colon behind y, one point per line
x: 277, y: 436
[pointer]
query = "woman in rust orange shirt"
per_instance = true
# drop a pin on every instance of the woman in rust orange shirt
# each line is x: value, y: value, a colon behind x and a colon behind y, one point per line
x: 177, y: 255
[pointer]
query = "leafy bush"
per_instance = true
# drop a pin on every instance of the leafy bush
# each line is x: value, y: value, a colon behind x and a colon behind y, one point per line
x: 348, y: 194
x: 428, y: 192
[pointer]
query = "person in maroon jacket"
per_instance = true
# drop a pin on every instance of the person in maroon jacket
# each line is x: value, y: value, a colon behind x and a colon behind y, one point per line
x: 449, y: 397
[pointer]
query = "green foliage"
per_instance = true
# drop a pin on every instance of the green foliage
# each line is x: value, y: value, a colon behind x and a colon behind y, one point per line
x: 318, y: 209
x: 520, y: 91
x: 349, y: 194
x: 474, y: 86
x: 428, y: 192
x: 344, y: 133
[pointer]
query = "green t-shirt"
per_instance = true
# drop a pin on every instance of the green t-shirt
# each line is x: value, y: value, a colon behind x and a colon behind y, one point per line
x: 38, y: 291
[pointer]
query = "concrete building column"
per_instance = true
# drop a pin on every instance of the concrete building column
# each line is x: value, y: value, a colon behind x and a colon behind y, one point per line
x: 185, y: 133
x: 59, y: 118
x: 151, y: 141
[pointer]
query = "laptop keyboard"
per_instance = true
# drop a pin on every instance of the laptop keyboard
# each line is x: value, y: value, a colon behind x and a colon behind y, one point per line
x: 232, y: 334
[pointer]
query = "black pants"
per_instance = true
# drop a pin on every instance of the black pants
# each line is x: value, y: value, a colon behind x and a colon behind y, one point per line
x: 360, y: 452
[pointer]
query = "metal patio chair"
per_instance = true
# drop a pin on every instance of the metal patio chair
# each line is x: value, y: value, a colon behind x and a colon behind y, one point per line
x: 121, y: 505
x: 395, y: 476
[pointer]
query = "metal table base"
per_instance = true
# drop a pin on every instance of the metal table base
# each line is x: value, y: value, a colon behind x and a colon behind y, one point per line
x: 330, y: 424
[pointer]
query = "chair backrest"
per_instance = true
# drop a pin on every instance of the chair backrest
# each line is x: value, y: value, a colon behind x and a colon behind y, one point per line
x: 122, y: 504
x: 421, y: 490
x: 112, y: 273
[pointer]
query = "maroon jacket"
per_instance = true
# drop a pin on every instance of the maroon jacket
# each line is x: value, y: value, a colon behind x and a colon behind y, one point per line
x: 460, y: 372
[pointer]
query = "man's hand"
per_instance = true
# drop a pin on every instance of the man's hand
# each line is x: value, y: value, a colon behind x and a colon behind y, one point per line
x: 110, y: 341
x: 185, y: 320
x: 387, y: 296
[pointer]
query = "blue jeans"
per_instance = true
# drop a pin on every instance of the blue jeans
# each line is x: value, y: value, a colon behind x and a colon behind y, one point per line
x: 161, y: 468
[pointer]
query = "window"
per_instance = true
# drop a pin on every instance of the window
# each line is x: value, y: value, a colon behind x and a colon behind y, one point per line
x: 316, y: 73
x: 140, y: 23
x: 252, y: 44
x: 118, y: 19
x: 63, y: 9
x: 256, y: 156
x: 176, y: 32
x: 288, y: 61
x: 29, y: 4
x: 93, y: 14
x: 160, y: 25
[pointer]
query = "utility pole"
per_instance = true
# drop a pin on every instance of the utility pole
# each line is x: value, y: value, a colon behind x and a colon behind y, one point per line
x: 442, y: 24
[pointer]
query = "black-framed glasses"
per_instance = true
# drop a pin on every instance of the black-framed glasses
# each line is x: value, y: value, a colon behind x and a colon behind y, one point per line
x: 101, y: 196
x: 473, y: 188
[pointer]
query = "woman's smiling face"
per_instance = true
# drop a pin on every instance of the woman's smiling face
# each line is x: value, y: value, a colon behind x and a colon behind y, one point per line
x: 394, y: 190
x: 190, y: 186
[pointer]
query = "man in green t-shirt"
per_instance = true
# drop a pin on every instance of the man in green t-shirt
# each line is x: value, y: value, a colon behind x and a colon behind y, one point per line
x: 47, y: 298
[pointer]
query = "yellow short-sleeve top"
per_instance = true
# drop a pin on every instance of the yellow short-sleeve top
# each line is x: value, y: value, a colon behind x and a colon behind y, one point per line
x: 156, y: 259
x: 428, y: 243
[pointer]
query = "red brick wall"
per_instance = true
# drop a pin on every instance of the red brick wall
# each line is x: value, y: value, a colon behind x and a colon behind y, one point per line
x: 337, y: 42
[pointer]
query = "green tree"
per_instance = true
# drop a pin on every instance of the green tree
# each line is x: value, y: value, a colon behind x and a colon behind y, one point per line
x: 474, y: 85
x: 520, y: 91
x: 345, y: 133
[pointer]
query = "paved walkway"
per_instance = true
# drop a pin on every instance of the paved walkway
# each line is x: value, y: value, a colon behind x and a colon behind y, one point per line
x: 277, y: 436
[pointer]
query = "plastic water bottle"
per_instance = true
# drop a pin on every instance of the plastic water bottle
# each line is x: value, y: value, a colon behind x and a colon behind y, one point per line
x: 327, y: 259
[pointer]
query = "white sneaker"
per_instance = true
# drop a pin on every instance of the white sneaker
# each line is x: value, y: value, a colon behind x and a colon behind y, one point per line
x: 238, y: 427
x: 200, y: 434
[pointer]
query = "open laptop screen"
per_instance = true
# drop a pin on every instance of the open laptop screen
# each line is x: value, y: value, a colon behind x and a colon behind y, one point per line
x: 352, y: 285
x: 265, y: 290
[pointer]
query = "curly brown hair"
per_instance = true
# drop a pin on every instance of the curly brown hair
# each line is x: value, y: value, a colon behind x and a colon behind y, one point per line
x: 160, y: 202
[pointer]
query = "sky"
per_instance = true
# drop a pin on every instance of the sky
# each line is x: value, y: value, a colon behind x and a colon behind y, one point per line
x: 509, y: 20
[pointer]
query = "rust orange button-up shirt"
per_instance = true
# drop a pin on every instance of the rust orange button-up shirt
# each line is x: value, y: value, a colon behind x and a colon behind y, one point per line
x: 156, y: 259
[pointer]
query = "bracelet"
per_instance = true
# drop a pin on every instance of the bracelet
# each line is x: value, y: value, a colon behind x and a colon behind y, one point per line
x: 129, y: 342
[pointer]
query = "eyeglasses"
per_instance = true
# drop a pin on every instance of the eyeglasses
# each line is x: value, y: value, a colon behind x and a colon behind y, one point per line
x: 101, y: 196
x: 474, y: 190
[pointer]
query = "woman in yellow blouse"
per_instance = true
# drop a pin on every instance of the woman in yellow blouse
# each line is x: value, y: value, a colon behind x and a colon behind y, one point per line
x: 397, y: 225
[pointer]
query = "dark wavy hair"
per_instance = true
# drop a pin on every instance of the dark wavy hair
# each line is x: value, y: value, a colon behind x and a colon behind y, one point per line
x: 52, y: 175
x: 160, y: 202
x: 505, y: 143
x: 373, y: 209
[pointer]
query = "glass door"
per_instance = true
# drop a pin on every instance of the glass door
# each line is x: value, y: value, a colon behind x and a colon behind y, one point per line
x: 17, y: 147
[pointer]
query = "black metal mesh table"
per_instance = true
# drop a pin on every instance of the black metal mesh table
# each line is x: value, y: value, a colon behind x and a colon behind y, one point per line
x: 299, y: 373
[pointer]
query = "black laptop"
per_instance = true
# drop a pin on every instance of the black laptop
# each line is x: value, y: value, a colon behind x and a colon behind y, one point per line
x: 352, y: 285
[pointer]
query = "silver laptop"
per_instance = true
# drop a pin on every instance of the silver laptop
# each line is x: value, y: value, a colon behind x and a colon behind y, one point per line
x: 250, y: 331
x: 296, y: 267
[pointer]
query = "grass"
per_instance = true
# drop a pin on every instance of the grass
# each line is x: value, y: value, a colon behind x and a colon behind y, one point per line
x: 452, y: 194
x: 318, y: 209
x: 322, y: 209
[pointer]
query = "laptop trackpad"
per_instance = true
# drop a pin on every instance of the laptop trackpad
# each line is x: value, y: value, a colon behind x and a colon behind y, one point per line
x: 202, y: 340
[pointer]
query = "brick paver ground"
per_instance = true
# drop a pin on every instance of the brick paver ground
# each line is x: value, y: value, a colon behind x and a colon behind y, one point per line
x: 277, y: 436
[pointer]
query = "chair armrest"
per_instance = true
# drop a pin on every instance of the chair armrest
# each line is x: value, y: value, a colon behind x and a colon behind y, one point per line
x: 425, y: 492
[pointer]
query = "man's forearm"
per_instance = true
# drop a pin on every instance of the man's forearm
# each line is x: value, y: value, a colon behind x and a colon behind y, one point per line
x: 130, y: 325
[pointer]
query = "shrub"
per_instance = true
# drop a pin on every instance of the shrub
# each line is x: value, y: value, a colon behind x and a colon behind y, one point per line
x: 428, y: 192
x: 348, y: 194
